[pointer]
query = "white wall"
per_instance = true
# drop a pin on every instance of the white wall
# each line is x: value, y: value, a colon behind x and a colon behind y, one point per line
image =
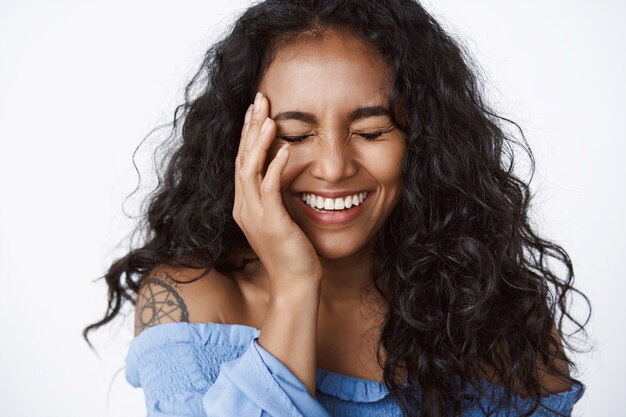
x: 82, y: 83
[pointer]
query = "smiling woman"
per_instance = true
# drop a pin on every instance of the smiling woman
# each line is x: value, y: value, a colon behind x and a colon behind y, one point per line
x: 323, y: 91
x: 338, y: 232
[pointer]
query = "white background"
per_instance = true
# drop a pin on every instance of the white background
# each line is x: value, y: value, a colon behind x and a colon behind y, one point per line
x: 82, y: 83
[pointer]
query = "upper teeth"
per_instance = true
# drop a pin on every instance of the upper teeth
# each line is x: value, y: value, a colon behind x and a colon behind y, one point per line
x: 339, y: 203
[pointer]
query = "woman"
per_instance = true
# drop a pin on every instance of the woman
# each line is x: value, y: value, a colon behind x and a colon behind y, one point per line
x: 352, y: 242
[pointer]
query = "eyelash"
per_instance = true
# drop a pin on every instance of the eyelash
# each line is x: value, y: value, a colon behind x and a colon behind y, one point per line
x: 368, y: 136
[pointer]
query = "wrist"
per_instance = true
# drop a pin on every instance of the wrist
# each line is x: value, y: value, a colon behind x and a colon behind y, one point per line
x: 285, y: 291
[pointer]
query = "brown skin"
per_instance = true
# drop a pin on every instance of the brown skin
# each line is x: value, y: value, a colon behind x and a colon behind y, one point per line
x: 315, y: 274
x: 311, y: 295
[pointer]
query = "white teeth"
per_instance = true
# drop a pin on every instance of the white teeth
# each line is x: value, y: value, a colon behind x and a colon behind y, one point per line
x: 339, y: 203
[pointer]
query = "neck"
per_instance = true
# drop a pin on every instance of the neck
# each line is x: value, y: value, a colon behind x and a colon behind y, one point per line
x: 345, y: 281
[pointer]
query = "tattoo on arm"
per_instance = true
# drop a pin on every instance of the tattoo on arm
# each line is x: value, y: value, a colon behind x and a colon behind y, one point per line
x: 159, y: 302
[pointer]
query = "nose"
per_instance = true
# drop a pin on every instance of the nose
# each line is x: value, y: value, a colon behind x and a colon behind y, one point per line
x: 334, y: 160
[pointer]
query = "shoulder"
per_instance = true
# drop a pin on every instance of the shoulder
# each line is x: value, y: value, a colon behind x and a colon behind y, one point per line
x: 551, y: 382
x: 168, y: 294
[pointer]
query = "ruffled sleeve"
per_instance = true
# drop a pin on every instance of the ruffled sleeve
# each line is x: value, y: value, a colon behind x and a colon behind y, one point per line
x: 176, y: 363
x: 350, y: 389
x: 258, y: 384
x: 211, y: 370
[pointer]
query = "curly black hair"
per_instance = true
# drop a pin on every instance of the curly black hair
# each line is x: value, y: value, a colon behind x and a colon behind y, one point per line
x: 465, y: 278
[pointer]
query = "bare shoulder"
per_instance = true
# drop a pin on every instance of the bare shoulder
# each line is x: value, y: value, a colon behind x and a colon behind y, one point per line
x: 168, y: 295
x: 550, y: 381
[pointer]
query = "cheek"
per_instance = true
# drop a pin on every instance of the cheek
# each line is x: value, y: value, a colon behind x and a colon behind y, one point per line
x: 385, y: 163
x: 294, y: 167
x: 271, y: 154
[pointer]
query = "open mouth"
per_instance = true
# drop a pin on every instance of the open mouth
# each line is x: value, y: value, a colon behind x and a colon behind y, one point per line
x: 329, y: 205
x: 352, y: 207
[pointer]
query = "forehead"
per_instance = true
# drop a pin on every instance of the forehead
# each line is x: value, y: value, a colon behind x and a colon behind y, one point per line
x: 333, y: 70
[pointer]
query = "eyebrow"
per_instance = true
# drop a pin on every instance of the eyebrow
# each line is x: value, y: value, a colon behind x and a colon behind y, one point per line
x: 360, y: 113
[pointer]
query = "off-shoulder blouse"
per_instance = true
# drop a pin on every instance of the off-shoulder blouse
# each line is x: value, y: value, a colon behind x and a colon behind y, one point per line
x: 212, y: 369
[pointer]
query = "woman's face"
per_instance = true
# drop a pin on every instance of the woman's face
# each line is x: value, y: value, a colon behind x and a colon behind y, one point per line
x: 330, y: 92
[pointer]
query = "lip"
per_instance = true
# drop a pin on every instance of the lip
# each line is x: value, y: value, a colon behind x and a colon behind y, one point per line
x: 334, y: 218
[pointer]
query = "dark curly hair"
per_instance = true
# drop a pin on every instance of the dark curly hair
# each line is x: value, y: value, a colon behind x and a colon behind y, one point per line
x: 465, y: 279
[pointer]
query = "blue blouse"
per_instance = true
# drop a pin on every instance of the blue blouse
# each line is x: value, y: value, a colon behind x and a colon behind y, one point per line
x: 220, y: 370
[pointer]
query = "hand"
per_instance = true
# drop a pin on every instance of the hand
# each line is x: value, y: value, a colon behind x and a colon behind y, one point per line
x: 283, y: 248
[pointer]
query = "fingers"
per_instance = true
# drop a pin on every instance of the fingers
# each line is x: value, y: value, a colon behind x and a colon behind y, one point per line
x: 249, y: 131
x: 257, y: 143
x: 244, y: 134
x: 258, y: 154
x: 270, y: 187
x: 254, y: 125
x: 239, y: 198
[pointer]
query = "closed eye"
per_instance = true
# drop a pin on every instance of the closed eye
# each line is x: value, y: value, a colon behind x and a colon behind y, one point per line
x: 293, y: 139
x: 369, y: 136
x: 374, y: 135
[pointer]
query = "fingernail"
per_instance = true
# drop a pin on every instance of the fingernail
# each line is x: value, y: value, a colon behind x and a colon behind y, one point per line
x: 248, y: 113
x: 282, y: 150
x: 265, y: 124
x: 257, y: 102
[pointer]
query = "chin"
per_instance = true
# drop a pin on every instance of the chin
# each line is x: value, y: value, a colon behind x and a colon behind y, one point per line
x: 337, y: 247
